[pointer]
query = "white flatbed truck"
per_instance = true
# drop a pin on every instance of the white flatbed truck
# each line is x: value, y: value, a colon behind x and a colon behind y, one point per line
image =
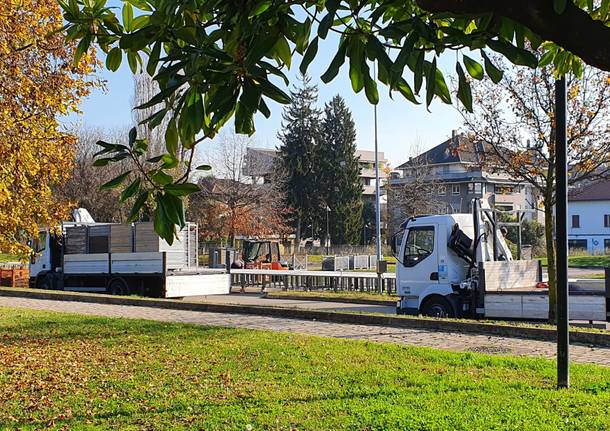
x: 167, y: 273
x: 458, y: 265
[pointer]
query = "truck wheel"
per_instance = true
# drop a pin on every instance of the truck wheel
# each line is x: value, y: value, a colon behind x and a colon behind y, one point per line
x: 46, y: 282
x: 437, y: 306
x: 117, y: 287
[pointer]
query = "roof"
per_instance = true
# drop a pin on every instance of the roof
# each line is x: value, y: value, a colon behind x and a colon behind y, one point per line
x: 599, y: 191
x: 259, y: 161
x: 369, y: 156
x: 453, y: 150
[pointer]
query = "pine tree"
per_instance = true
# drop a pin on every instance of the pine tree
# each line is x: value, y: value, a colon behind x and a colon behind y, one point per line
x: 299, y: 137
x: 339, y: 173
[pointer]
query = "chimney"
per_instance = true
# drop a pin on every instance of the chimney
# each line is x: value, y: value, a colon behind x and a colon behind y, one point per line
x: 453, y: 134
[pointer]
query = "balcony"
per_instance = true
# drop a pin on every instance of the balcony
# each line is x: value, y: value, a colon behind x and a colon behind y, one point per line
x: 370, y: 173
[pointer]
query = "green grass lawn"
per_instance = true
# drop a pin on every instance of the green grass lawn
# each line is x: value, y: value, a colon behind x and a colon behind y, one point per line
x: 8, y: 258
x: 585, y: 261
x: 61, y: 371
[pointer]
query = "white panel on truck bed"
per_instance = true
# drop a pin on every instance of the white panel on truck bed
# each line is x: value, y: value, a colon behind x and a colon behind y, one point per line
x: 529, y: 306
x: 86, y: 263
x: 137, y: 263
x: 177, y: 286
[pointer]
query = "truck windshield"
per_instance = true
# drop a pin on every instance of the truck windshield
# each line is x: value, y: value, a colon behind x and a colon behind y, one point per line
x: 40, y: 243
x: 419, y: 245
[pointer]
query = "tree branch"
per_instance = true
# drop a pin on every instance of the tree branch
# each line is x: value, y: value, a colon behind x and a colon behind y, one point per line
x: 574, y: 29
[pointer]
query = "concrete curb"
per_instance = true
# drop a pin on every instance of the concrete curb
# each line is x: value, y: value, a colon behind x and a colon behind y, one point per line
x: 386, y: 302
x: 587, y: 338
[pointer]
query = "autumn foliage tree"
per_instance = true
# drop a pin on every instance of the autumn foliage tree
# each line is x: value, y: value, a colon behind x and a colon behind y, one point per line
x: 516, y: 117
x: 230, y: 204
x: 39, y: 81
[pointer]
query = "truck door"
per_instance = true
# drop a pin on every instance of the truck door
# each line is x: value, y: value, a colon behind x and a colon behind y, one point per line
x: 419, y: 255
x: 41, y: 259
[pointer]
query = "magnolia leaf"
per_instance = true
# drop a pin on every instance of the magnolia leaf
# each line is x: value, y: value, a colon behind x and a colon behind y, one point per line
x: 113, y: 59
x: 115, y: 182
x: 130, y: 190
x: 183, y: 189
x: 474, y: 68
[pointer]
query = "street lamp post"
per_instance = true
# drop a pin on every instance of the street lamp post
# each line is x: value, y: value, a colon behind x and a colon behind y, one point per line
x: 377, y: 191
x: 327, y: 230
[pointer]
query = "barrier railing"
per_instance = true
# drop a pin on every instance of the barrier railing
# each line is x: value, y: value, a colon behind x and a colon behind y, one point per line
x: 314, y: 280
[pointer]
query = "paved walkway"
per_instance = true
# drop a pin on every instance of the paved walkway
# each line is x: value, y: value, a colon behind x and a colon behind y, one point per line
x: 411, y: 337
x: 256, y: 299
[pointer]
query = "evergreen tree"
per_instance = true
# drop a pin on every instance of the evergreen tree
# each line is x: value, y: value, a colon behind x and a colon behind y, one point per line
x: 339, y: 173
x: 299, y: 137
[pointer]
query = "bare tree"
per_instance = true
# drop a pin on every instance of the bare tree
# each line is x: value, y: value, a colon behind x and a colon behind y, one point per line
x: 516, y: 119
x: 230, y: 204
x: 416, y: 193
x: 144, y: 89
x: 83, y: 188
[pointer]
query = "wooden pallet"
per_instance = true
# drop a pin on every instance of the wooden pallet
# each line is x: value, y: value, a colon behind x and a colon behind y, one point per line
x: 14, y: 276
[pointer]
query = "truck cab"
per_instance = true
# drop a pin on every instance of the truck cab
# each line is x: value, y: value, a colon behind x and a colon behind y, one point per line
x: 45, y: 262
x: 427, y: 271
x: 437, y: 261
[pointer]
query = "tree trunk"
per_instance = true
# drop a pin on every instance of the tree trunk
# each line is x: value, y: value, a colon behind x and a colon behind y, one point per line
x: 551, y: 260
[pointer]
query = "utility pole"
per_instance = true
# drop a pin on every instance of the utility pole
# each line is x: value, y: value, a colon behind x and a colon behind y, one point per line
x: 381, y: 264
x: 327, y: 230
x: 377, y: 190
x: 561, y: 222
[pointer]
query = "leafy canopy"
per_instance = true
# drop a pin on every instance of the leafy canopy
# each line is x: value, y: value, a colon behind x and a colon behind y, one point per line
x: 218, y: 60
x: 38, y: 82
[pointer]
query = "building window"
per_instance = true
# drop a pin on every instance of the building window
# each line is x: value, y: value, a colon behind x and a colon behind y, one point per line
x: 607, y: 246
x: 577, y: 244
x: 475, y: 188
x: 606, y: 220
x: 575, y: 221
x: 442, y: 190
x: 367, y: 181
x: 455, y: 189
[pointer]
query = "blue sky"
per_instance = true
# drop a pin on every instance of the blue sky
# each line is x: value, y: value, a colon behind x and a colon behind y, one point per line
x: 402, y: 126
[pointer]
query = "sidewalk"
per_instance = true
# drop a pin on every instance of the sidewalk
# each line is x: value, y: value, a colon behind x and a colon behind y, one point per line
x: 406, y: 336
x: 322, y: 304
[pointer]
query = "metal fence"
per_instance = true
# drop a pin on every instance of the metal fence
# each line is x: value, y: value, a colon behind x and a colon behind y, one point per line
x: 314, y: 280
x: 345, y: 250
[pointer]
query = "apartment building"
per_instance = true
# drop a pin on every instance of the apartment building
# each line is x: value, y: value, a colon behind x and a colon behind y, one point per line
x: 457, y: 168
x: 259, y: 166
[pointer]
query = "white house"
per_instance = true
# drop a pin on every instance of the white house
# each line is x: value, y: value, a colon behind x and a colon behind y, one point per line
x: 589, y: 218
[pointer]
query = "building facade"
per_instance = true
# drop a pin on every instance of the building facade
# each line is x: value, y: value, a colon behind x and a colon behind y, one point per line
x: 366, y: 160
x: 259, y: 166
x: 589, y: 218
x: 457, y: 168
